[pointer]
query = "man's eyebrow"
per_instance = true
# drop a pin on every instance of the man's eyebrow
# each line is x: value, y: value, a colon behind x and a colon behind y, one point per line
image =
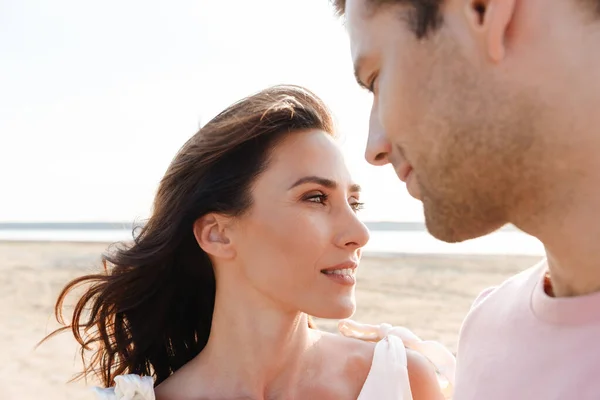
x: 328, y: 183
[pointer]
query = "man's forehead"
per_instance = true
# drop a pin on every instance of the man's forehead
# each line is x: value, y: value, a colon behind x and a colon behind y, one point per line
x: 361, y: 31
x: 365, y: 10
x: 358, y: 10
x: 356, y: 24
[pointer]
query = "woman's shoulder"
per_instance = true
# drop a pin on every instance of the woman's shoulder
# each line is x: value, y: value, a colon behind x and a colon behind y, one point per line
x: 365, y: 355
x: 392, y: 368
x: 379, y: 367
x: 357, y: 354
x: 128, y: 387
x: 402, y: 354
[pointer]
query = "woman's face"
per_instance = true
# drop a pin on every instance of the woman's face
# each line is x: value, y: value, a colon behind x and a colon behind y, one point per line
x: 300, y: 242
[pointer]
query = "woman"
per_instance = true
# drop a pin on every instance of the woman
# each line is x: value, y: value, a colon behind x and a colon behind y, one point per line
x: 254, y: 228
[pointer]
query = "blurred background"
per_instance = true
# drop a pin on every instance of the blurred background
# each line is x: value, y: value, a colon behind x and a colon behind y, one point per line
x: 95, y: 100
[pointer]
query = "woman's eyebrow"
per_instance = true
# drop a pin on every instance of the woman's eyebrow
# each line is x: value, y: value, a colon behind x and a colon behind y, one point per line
x: 328, y: 183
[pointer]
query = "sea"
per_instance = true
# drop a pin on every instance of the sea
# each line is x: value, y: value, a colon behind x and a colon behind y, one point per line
x: 387, y: 238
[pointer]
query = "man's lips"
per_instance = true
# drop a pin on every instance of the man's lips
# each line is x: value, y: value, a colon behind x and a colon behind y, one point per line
x: 403, y: 171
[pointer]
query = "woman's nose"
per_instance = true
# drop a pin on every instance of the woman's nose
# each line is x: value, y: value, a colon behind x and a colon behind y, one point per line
x: 354, y: 234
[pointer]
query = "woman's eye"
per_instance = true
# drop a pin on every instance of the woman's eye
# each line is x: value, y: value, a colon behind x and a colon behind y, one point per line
x: 357, y: 206
x: 322, y: 198
x: 317, y: 198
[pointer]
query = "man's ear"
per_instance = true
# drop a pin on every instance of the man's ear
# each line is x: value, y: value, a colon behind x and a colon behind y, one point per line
x: 489, y: 21
x: 211, y: 233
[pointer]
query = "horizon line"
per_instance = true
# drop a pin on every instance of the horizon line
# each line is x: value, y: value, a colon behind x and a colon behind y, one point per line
x: 376, y: 225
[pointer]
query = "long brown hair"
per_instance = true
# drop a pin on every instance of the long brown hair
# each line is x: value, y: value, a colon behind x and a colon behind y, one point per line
x: 151, y: 309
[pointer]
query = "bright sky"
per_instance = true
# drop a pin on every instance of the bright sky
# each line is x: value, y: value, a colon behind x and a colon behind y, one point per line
x: 96, y: 97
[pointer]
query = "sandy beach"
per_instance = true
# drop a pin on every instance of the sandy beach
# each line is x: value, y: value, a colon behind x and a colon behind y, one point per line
x: 429, y: 294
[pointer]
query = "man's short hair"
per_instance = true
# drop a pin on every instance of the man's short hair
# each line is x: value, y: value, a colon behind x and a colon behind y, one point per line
x: 424, y: 18
x: 426, y: 15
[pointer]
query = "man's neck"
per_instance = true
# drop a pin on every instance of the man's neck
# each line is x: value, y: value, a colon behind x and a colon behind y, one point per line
x: 568, y: 281
x: 571, y: 237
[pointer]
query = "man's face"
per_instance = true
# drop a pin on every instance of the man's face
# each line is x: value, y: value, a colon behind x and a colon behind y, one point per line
x: 455, y: 129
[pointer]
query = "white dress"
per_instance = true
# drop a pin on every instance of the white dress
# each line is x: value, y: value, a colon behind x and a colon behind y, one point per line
x: 387, y: 378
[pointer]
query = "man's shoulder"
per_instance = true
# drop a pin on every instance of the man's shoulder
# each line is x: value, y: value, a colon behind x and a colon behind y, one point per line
x: 495, y: 307
x: 515, y: 283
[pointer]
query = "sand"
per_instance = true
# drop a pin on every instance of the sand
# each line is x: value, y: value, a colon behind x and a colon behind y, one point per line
x: 429, y: 294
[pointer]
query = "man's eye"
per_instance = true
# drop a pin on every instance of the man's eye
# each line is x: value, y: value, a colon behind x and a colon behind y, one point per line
x: 372, y: 84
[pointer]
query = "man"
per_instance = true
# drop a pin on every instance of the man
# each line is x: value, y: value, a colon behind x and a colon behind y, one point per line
x: 489, y: 110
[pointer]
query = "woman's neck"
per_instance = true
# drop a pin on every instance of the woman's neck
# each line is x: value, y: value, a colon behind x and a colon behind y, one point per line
x: 255, y: 348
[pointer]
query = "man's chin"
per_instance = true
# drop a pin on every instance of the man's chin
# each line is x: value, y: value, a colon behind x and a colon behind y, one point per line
x: 416, y: 196
x: 452, y: 230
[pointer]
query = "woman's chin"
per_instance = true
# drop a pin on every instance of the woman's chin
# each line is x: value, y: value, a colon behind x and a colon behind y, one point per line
x: 336, y: 310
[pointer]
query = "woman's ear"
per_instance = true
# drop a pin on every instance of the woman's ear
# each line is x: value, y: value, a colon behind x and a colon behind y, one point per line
x: 211, y: 233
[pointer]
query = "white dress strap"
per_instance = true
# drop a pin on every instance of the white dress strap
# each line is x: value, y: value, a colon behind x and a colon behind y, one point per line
x: 443, y: 360
x: 128, y: 387
x: 388, y: 376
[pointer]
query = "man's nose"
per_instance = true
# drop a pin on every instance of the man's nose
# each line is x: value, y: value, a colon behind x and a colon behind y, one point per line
x: 378, y: 146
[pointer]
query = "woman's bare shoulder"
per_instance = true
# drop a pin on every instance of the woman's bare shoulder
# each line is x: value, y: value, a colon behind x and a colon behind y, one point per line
x: 356, y: 355
x: 358, y: 358
x: 422, y: 376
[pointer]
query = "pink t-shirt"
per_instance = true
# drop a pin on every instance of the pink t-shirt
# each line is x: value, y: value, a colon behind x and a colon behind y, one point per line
x: 519, y: 343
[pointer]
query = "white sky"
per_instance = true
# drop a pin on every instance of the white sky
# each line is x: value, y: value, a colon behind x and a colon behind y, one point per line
x: 96, y: 97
